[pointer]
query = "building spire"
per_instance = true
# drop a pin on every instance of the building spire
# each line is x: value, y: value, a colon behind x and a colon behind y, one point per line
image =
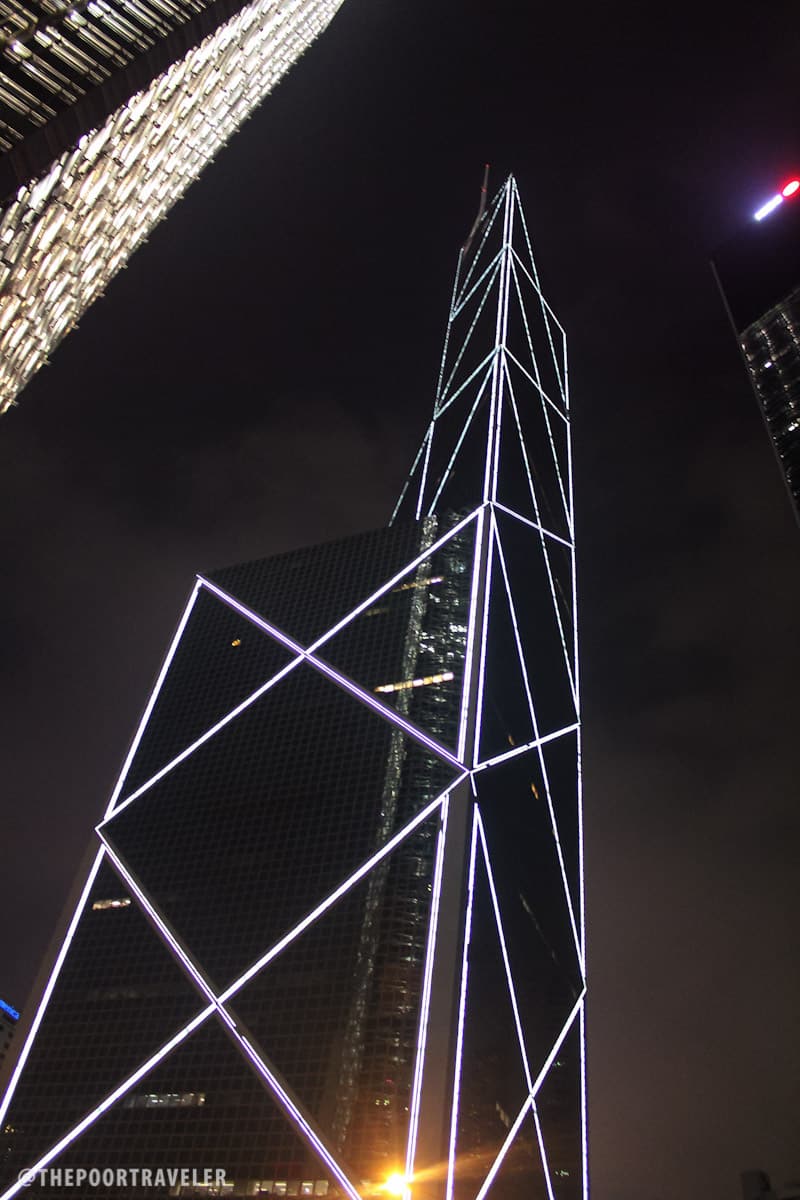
x: 499, y: 429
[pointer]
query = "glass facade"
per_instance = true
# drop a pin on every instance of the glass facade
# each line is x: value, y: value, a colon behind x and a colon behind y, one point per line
x: 335, y: 931
x: 109, y: 110
x: 758, y: 273
x: 771, y: 348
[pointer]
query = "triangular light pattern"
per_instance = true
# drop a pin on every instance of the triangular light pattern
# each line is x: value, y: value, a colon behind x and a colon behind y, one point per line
x: 352, y: 817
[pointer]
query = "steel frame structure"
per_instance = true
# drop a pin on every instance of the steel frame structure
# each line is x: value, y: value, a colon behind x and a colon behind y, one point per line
x: 492, y: 279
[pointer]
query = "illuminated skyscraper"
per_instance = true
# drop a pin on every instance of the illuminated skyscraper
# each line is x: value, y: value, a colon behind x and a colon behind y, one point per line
x: 109, y: 110
x: 758, y: 273
x: 333, y: 930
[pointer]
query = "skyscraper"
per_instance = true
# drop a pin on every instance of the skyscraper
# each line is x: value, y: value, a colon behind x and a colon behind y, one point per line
x: 332, y: 937
x: 758, y: 273
x: 8, y: 1024
x: 109, y: 110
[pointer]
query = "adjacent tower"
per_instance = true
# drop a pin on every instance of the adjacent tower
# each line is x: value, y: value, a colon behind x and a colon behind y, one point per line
x: 109, y: 110
x: 758, y: 273
x: 332, y: 937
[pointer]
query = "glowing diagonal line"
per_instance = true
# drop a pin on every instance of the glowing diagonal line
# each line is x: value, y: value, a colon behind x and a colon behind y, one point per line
x: 463, y: 386
x: 533, y: 524
x: 422, y: 1037
x: 524, y: 452
x: 462, y: 1006
x: 497, y: 204
x: 218, y: 1001
x: 424, y: 476
x: 111, y: 1099
x: 408, y: 479
x: 487, y: 588
x: 200, y: 982
x: 187, y: 612
x: 341, y: 681
x: 165, y: 932
x: 547, y: 311
x: 472, y: 625
x: 548, y: 568
x: 538, y: 739
x: 429, y: 436
x: 209, y: 733
x: 387, y: 587
x: 545, y: 1164
x: 471, y: 330
x: 503, y: 1151
x: 330, y: 900
x: 504, y: 951
x: 584, y: 1127
x: 533, y: 282
x: 513, y: 615
x: 258, y: 1062
x: 504, y: 335
x: 459, y: 443
x: 513, y: 398
x: 285, y: 1100
x: 547, y: 403
x: 562, y: 637
x: 534, y: 745
x: 559, y: 1042
x: 51, y: 982
x: 464, y: 300
x: 501, y: 327
x: 563, y: 417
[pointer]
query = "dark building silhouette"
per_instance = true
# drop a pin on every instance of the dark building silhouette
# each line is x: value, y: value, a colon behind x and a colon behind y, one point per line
x: 333, y: 929
x: 109, y: 110
x: 8, y: 1024
x: 758, y: 273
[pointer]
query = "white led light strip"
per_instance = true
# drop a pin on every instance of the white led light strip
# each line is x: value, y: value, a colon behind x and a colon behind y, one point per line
x: 514, y: 1005
x: 462, y: 1008
x: 422, y: 1036
x: 218, y: 1000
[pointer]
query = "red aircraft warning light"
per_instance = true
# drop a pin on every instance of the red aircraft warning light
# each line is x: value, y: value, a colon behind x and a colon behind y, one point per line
x: 788, y: 190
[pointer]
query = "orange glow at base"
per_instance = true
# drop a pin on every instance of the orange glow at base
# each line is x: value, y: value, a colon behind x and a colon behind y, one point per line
x: 396, y: 1185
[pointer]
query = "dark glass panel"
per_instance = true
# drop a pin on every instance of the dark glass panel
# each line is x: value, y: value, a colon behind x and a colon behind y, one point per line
x: 506, y: 712
x: 493, y: 1083
x: 337, y: 1012
x: 305, y: 592
x: 559, y: 1106
x: 220, y: 660
x: 242, y: 839
x: 544, y: 436
x: 546, y: 644
x: 532, y: 900
x: 202, y: 1107
x: 417, y: 631
x: 120, y: 995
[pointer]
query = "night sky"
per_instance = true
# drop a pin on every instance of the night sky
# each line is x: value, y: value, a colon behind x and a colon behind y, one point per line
x: 259, y: 378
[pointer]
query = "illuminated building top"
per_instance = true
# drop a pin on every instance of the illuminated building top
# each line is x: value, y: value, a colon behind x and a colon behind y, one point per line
x: 108, y: 112
x: 758, y: 273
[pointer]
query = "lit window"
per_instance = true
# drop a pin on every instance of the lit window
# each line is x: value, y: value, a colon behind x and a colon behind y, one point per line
x: 167, y: 1100
x: 418, y: 583
x: 404, y: 684
x: 236, y: 642
x: 99, y: 905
